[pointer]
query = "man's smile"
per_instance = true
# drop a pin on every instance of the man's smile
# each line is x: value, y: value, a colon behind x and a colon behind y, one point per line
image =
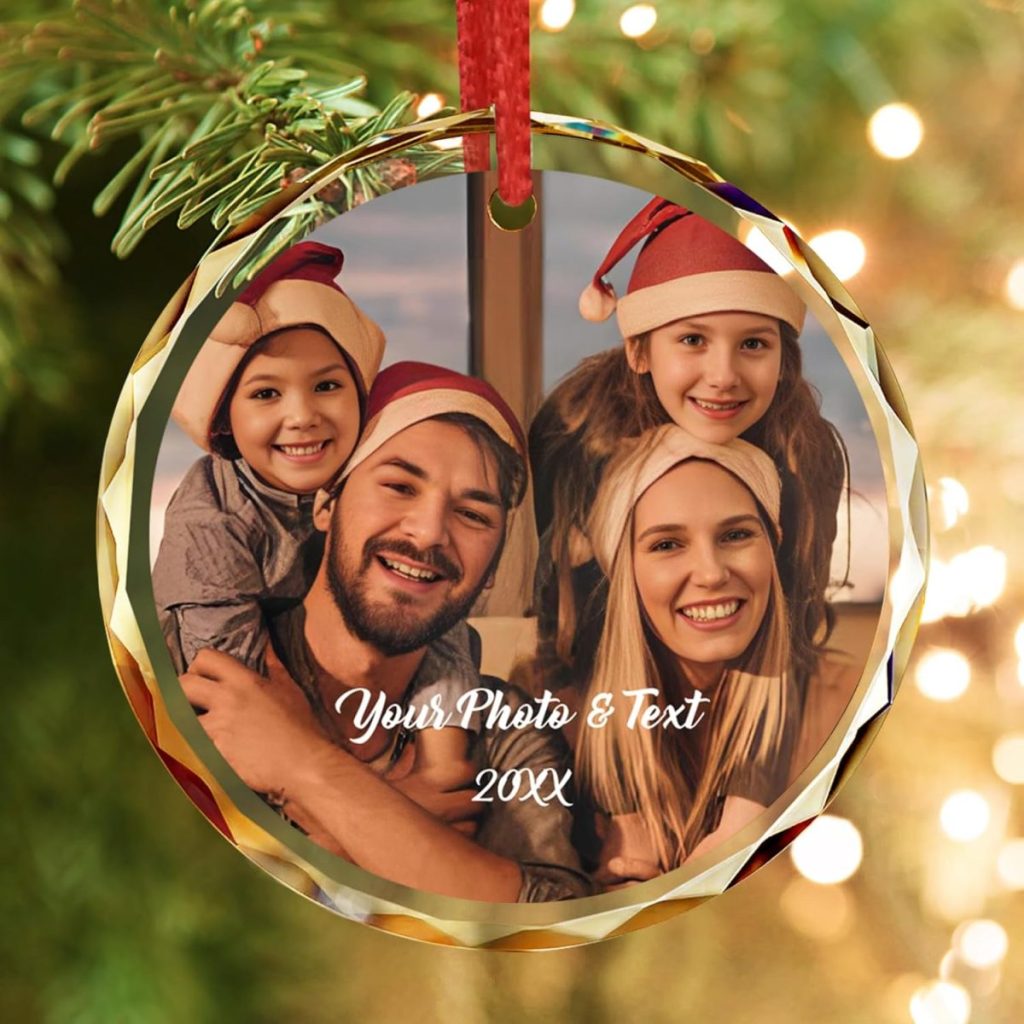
x: 409, y: 571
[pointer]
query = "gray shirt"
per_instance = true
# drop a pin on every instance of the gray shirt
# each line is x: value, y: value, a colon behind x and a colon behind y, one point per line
x: 536, y: 836
x: 234, y: 551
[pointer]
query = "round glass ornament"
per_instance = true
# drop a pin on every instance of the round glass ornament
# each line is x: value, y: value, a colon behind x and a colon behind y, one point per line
x: 426, y: 308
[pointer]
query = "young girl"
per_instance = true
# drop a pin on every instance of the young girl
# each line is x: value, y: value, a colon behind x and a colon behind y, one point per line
x: 710, y: 336
x: 276, y: 395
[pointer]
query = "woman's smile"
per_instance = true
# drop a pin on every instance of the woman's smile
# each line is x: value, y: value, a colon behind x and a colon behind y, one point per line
x: 711, y: 615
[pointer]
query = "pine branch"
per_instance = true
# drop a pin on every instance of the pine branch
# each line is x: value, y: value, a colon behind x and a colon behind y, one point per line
x: 214, y: 86
x: 29, y: 249
x: 225, y: 102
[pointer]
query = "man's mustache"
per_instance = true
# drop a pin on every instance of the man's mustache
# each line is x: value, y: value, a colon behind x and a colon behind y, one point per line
x: 430, y: 557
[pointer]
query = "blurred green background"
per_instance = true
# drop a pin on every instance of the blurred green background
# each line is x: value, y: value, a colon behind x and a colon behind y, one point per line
x: 119, y: 902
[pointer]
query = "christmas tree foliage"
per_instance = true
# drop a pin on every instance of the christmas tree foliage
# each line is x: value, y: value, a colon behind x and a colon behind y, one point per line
x: 134, y: 133
x: 213, y: 108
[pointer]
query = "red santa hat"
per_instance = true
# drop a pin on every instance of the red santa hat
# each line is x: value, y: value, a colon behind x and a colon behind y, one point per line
x: 686, y: 267
x: 407, y: 393
x: 297, y: 289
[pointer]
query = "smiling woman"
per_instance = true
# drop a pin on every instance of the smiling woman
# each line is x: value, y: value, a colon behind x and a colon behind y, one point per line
x: 686, y: 531
x: 703, y: 565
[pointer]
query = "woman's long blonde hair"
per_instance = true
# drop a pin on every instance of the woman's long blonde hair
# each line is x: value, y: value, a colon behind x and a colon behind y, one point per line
x: 640, y: 770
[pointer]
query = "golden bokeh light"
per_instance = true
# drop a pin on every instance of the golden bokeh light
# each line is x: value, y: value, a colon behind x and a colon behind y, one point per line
x: 1010, y: 865
x: 1018, y: 646
x: 948, y: 965
x: 965, y: 815
x: 429, y: 105
x: 942, y: 674
x: 638, y: 20
x: 555, y: 15
x: 895, y: 131
x: 702, y: 41
x: 1008, y: 758
x: 843, y: 252
x: 981, y: 944
x: 979, y: 574
x: 940, y: 1002
x: 897, y: 996
x: 952, y: 500
x: 828, y: 851
x: 969, y: 581
x: 824, y: 913
x: 1014, y: 288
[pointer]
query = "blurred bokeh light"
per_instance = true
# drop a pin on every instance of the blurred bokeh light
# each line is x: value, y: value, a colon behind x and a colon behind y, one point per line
x: 638, y: 20
x: 843, y: 251
x: 1015, y: 285
x: 828, y: 851
x: 980, y: 944
x: 429, y: 105
x: 1008, y: 758
x: 940, y: 1002
x: 1010, y: 864
x: 953, y: 502
x: 965, y: 815
x: 896, y: 131
x: 821, y: 912
x: 942, y: 674
x: 555, y: 15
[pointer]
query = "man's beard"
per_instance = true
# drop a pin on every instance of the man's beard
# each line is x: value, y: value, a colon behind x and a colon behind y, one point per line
x: 387, y: 628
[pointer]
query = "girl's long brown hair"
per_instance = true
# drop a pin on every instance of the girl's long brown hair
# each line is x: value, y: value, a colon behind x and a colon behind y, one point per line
x: 581, y: 425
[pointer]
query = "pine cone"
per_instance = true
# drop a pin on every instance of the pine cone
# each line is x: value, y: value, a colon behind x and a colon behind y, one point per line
x: 398, y: 173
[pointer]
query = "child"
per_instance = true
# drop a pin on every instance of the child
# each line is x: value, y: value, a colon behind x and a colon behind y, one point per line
x: 710, y: 336
x: 276, y: 395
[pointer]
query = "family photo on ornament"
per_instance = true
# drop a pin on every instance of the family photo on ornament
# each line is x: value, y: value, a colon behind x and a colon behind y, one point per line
x: 338, y: 501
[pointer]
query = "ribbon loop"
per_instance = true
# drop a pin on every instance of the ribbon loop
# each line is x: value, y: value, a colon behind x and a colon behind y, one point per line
x: 494, y: 68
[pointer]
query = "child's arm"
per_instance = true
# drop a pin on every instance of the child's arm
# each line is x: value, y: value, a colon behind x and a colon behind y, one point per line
x: 436, y: 748
x: 237, y: 629
x: 207, y: 579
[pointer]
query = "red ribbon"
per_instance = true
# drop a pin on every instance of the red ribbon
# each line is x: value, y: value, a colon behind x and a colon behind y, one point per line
x: 494, y: 67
